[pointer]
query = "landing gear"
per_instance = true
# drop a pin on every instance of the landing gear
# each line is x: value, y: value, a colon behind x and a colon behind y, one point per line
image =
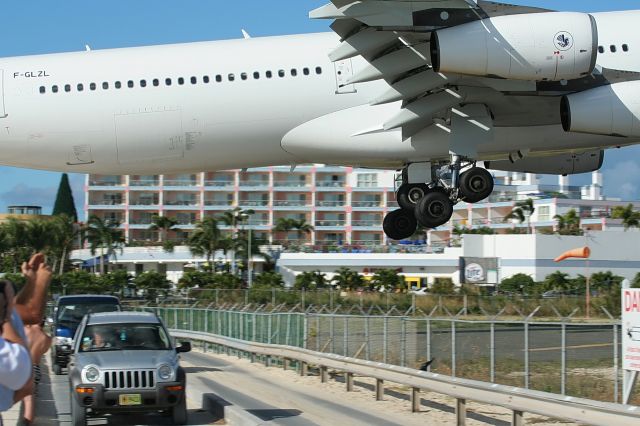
x: 400, y: 224
x: 434, y: 209
x: 410, y: 194
x: 430, y: 204
x: 476, y: 184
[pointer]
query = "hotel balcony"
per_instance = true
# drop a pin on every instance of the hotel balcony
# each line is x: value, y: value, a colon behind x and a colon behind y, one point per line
x: 215, y: 181
x: 107, y: 200
x: 181, y: 182
x: 138, y: 183
x: 106, y: 182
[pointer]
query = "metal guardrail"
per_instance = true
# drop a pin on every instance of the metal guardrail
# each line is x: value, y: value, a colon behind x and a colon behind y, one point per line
x: 515, y: 399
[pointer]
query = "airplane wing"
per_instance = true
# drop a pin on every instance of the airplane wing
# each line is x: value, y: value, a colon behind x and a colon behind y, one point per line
x: 393, y: 36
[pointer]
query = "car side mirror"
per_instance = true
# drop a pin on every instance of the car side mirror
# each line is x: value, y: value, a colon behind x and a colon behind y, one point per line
x: 49, y: 320
x: 184, y: 347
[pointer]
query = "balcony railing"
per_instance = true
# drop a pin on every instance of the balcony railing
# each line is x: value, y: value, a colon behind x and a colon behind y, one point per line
x: 223, y: 203
x: 254, y: 183
x: 258, y: 222
x: 219, y: 183
x: 254, y: 203
x: 330, y: 184
x: 144, y: 221
x: 180, y: 182
x: 290, y: 184
x: 366, y: 223
x: 332, y: 223
x: 361, y: 204
x: 106, y: 183
x: 332, y: 203
x: 291, y: 203
x: 107, y: 203
x: 189, y: 203
x: 144, y: 202
x: 143, y: 182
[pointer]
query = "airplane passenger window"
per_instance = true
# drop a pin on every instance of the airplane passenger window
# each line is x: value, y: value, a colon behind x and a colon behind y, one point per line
x: 601, y: 49
x: 294, y: 72
x: 318, y: 70
x: 80, y: 87
x: 130, y: 84
x: 205, y: 79
x: 143, y: 83
x: 613, y: 48
x: 243, y: 76
x: 219, y: 78
x: 194, y: 80
x: 625, y: 47
x: 43, y: 89
x: 281, y: 73
x: 156, y: 82
x: 67, y: 87
x: 54, y: 89
x: 232, y: 77
x: 92, y: 86
x: 305, y: 71
x: 167, y: 82
x: 181, y: 81
x: 256, y: 75
x: 118, y: 85
x: 269, y: 74
x: 105, y: 85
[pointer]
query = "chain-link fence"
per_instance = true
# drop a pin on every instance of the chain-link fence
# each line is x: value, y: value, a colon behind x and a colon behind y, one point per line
x: 577, y: 359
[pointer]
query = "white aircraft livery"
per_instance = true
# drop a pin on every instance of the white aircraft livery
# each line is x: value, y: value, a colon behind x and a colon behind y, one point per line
x: 425, y: 87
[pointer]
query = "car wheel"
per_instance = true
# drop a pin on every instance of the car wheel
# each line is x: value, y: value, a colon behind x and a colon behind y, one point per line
x: 57, y: 370
x: 179, y: 412
x: 78, y: 412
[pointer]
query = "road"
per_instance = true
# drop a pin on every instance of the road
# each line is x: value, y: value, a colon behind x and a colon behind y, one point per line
x: 281, y: 397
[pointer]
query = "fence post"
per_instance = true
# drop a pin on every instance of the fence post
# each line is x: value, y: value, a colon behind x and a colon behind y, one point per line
x: 616, y: 366
x: 563, y: 360
x: 492, y: 349
x: 288, y: 331
x: 317, y: 333
x: 526, y: 355
x: 332, y: 335
x: 379, y: 390
x: 349, y: 381
x: 517, y: 418
x: 273, y: 297
x: 461, y: 412
x: 175, y: 318
x: 429, y: 341
x: 302, y: 299
x: 345, y: 340
x: 466, y: 304
x: 206, y: 320
x: 415, y: 400
x: 403, y: 342
x: 246, y: 297
x: 385, y: 339
x: 324, y: 374
x: 367, y: 339
x: 269, y: 328
x: 217, y: 297
x: 255, y: 326
x: 453, y: 348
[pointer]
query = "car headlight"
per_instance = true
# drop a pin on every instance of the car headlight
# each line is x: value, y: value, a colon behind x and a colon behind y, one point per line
x: 63, y: 341
x: 165, y: 372
x: 92, y: 374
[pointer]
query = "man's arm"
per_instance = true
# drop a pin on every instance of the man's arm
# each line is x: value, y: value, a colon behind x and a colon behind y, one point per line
x: 15, y: 364
x: 32, y: 299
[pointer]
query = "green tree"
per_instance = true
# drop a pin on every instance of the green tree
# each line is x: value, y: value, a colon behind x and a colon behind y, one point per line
x: 518, y: 283
x: 116, y: 281
x: 605, y: 281
x: 636, y: 281
x: 569, y: 223
x: 195, y: 279
x: 443, y: 286
x: 557, y: 281
x: 163, y: 224
x: 390, y: 279
x: 64, y: 203
x: 268, y: 280
x: 105, y: 237
x: 310, y: 280
x: 347, y: 279
x: 65, y: 233
x: 630, y: 217
x: 522, y: 211
x: 287, y: 224
x: 152, y: 284
x: 206, y: 239
x: 77, y: 282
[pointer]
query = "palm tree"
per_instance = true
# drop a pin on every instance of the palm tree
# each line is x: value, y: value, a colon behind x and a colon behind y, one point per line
x: 347, y: 279
x: 569, y: 223
x: 523, y: 210
x: 163, y: 224
x: 234, y: 218
x: 630, y: 217
x: 104, y: 235
x: 286, y: 224
x: 206, y: 239
x: 65, y: 232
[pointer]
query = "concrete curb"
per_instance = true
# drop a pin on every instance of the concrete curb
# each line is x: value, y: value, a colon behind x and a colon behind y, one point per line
x: 233, y: 415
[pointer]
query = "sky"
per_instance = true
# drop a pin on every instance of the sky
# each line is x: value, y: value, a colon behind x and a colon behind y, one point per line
x: 44, y: 26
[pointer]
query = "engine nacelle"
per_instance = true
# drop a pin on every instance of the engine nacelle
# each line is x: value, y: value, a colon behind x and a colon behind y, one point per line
x: 607, y: 110
x: 562, y: 164
x: 550, y: 46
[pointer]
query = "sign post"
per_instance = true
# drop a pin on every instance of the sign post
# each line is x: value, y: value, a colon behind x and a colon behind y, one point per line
x: 630, y: 339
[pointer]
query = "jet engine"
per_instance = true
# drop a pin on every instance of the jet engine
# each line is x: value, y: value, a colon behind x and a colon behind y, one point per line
x: 550, y: 46
x: 561, y: 164
x: 606, y: 110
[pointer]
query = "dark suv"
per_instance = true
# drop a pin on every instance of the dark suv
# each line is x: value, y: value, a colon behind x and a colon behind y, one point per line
x: 67, y: 315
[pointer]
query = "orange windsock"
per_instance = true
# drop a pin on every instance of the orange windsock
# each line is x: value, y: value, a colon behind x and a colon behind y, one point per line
x: 580, y: 253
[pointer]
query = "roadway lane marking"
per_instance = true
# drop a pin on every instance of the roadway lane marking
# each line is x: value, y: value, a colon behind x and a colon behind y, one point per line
x: 559, y: 348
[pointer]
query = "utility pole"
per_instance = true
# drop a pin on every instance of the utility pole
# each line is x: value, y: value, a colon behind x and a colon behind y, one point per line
x: 249, y: 261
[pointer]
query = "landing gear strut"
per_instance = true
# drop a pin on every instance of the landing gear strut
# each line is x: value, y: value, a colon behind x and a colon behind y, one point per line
x: 431, y: 204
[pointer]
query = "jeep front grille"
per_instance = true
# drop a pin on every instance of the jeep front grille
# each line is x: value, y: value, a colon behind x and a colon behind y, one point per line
x: 129, y: 379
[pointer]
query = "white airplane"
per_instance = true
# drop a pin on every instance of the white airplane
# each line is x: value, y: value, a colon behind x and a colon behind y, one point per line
x: 426, y: 87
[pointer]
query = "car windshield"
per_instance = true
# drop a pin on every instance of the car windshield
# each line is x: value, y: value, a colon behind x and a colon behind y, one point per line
x: 115, y: 337
x: 73, y: 314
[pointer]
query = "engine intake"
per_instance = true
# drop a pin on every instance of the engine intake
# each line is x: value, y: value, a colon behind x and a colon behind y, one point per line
x: 562, y: 164
x: 550, y: 46
x: 612, y: 110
